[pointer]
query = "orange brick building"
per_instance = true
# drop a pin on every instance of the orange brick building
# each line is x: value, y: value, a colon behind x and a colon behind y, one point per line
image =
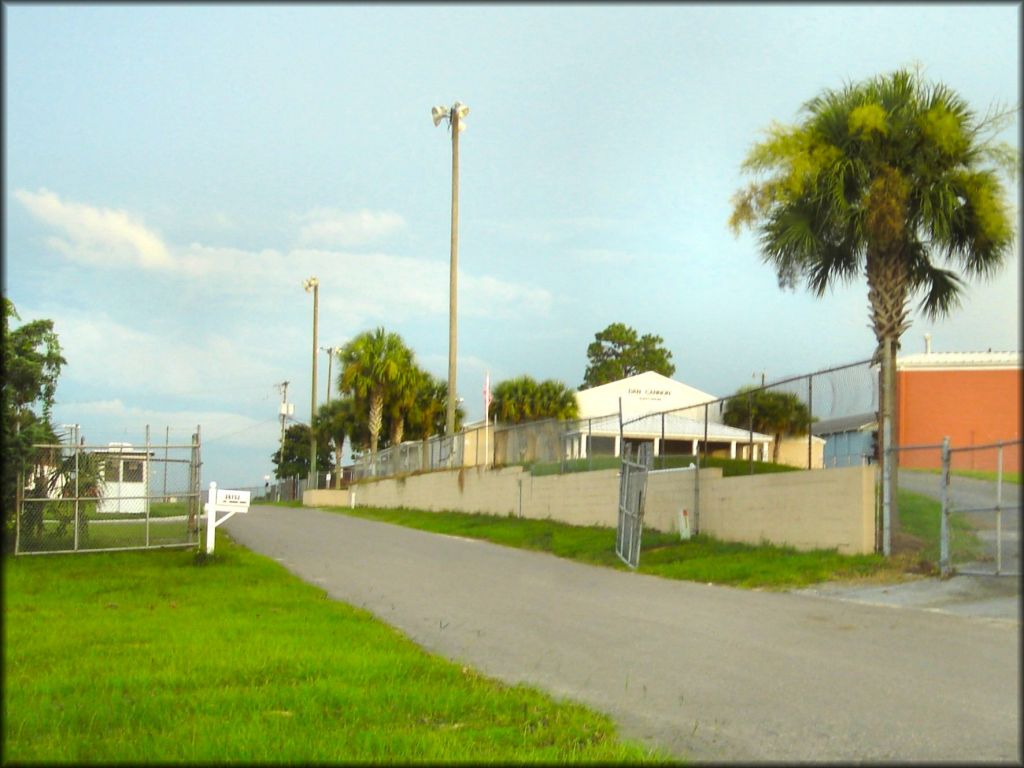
x: 974, y: 398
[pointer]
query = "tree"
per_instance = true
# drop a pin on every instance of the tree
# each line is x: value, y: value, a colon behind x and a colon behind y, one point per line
x: 428, y: 414
x: 375, y: 364
x: 893, y: 178
x: 778, y: 414
x: 32, y: 362
x: 524, y: 399
x: 618, y: 352
x: 295, y: 459
x: 337, y: 420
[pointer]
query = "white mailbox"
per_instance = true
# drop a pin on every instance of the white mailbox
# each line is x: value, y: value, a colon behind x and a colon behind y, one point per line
x: 222, y: 500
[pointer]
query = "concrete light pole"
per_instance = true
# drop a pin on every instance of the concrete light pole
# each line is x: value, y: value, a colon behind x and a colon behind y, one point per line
x: 314, y: 284
x: 454, y: 116
x: 331, y: 351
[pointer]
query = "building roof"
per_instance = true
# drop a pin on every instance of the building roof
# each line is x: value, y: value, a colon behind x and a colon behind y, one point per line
x: 959, y: 360
x: 858, y: 423
x: 676, y: 428
x: 646, y: 392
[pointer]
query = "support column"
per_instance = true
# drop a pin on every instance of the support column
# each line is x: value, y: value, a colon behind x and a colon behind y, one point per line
x: 732, y: 450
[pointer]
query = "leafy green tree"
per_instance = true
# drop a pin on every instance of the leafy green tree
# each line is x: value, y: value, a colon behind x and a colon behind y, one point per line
x: 524, y: 399
x: 427, y: 415
x: 891, y: 178
x: 32, y: 363
x: 337, y: 421
x: 295, y: 459
x: 779, y: 414
x: 618, y: 351
x: 375, y: 365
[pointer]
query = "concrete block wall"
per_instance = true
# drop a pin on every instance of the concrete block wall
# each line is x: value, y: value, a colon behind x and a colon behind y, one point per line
x: 822, y: 508
x: 807, y: 510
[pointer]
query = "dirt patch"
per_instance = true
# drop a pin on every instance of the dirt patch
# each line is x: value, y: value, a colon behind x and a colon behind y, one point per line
x: 906, y: 544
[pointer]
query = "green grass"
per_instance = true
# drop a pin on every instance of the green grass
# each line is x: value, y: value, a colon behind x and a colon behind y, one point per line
x: 170, y: 657
x: 729, y: 467
x: 920, y: 516
x: 977, y: 474
x: 107, y: 535
x: 702, y: 558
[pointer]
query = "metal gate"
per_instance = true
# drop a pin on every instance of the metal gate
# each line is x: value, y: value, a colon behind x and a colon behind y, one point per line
x: 82, y: 498
x: 989, y: 505
x: 632, y: 490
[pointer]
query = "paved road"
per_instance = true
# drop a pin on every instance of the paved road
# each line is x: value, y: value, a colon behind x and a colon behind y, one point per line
x: 706, y: 672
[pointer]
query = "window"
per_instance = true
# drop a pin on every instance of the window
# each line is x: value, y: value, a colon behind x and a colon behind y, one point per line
x: 132, y: 472
x: 112, y: 470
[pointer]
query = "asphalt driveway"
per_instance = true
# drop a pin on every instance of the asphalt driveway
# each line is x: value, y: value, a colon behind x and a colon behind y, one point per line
x: 705, y: 672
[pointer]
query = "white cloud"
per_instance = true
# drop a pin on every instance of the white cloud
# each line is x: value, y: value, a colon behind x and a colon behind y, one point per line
x: 100, y: 236
x: 101, y: 351
x: 356, y: 288
x: 331, y: 226
x: 104, y: 421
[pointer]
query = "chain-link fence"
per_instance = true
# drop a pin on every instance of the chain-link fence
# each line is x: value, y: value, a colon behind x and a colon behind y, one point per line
x: 79, y: 498
x: 958, y: 507
x: 822, y: 419
x: 790, y: 422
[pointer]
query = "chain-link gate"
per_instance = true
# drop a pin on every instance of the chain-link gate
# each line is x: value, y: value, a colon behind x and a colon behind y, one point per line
x: 976, y: 490
x: 83, y: 498
x: 977, y: 528
x: 632, y: 490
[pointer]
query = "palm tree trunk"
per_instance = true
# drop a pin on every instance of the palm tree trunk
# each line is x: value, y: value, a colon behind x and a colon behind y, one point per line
x: 888, y: 296
x: 376, y: 418
x: 339, y: 446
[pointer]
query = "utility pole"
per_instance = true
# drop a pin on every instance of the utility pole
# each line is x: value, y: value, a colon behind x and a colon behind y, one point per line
x: 283, y: 386
x: 331, y: 351
x: 313, y: 284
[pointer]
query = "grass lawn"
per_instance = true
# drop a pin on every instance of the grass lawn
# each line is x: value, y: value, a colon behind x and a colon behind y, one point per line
x: 101, y: 534
x: 729, y: 467
x: 702, y: 558
x: 919, y: 517
x: 977, y: 474
x: 166, y: 656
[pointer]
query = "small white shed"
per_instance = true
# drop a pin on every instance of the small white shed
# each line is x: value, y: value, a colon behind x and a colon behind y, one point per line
x: 125, y: 473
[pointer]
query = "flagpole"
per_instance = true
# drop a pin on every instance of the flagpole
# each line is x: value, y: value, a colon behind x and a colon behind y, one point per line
x: 487, y: 405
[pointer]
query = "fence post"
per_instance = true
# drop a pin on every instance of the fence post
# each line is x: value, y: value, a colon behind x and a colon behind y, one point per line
x: 887, y: 459
x: 750, y: 423
x: 705, y: 432
x: 661, y: 448
x: 999, y: 510
x: 944, y: 566
x: 696, y: 491
x: 145, y: 485
x: 77, y: 508
x: 810, y: 411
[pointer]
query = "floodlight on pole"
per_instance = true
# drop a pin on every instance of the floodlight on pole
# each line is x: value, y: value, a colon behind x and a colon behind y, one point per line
x: 313, y: 284
x: 454, y: 116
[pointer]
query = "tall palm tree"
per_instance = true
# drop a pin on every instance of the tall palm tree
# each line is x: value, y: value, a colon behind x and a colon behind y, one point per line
x: 375, y: 364
x: 338, y: 419
x: 893, y: 178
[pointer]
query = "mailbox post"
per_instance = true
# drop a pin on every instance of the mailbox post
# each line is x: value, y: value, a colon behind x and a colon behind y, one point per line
x: 222, y: 500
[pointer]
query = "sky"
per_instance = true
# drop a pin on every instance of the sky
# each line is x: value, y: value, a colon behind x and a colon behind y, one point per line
x: 173, y: 173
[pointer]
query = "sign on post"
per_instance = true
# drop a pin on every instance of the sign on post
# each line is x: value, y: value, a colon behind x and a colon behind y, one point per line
x: 222, y: 500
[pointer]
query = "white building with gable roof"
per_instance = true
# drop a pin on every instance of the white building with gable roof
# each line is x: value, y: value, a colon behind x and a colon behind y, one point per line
x: 645, y: 398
